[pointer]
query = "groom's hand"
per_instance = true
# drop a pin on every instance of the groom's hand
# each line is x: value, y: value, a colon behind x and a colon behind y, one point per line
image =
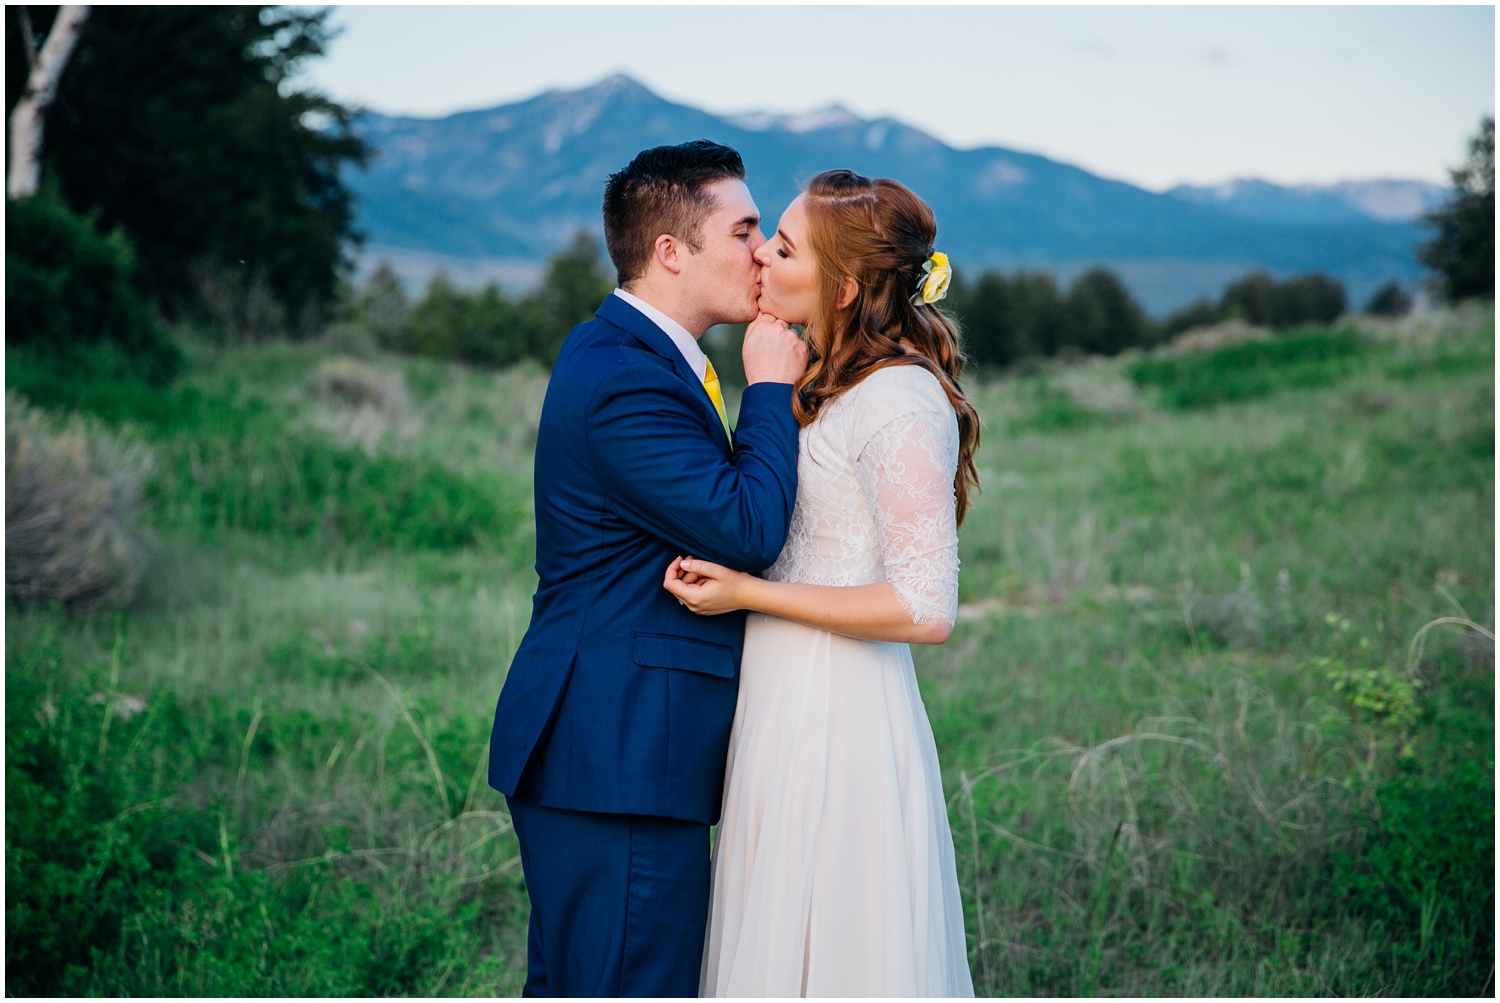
x: 773, y: 352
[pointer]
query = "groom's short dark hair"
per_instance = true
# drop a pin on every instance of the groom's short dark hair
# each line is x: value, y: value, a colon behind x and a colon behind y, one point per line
x: 662, y: 191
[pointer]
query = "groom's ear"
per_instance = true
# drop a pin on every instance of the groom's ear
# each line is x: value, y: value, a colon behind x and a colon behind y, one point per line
x: 668, y: 253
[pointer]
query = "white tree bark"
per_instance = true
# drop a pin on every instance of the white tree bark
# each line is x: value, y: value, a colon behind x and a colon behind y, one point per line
x: 30, y: 113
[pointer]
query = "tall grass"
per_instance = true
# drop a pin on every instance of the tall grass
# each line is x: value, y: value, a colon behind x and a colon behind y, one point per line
x: 1188, y: 743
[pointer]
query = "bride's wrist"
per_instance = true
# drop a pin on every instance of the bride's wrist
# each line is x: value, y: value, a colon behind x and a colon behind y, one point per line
x: 747, y: 593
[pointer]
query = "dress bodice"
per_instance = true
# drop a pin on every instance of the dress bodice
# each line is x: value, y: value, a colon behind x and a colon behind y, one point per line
x: 875, y: 498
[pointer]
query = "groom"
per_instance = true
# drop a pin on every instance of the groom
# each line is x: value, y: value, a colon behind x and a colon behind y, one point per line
x: 613, y: 725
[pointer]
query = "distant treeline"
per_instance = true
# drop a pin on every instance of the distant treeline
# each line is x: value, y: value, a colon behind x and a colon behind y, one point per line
x: 1004, y: 318
x: 485, y: 327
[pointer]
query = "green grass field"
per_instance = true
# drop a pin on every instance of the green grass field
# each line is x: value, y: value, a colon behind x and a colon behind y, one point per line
x: 1188, y: 743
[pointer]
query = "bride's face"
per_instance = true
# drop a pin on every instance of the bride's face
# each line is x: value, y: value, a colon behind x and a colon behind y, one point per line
x: 788, y: 274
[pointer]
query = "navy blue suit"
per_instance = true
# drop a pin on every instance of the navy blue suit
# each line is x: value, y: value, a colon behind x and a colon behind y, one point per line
x: 612, y: 728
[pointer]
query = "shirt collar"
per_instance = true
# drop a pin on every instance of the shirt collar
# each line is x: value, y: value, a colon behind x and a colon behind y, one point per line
x: 685, y: 342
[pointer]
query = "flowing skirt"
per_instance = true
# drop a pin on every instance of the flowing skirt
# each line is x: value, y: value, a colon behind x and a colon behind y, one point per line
x: 834, y: 872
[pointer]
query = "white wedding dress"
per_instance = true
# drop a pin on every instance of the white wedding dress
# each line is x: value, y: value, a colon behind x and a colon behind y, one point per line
x: 834, y: 871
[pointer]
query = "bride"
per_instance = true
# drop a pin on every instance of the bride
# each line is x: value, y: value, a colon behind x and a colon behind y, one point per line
x: 834, y: 872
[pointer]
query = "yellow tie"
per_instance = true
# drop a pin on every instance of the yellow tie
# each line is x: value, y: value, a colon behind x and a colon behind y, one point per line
x: 711, y: 384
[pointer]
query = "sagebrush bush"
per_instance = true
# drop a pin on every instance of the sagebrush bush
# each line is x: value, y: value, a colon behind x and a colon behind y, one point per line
x: 72, y: 494
x: 348, y: 381
x: 359, y: 402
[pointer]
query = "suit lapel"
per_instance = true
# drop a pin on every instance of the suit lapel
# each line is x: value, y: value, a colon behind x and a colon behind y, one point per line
x: 624, y: 316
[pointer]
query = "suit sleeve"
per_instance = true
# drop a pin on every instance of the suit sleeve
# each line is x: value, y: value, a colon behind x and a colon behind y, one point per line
x: 666, y: 474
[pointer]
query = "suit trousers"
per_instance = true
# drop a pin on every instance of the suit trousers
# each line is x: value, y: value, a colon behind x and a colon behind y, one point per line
x: 619, y: 903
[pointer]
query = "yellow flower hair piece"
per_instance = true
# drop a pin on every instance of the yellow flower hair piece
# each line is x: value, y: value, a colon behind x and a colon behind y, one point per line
x: 933, y: 285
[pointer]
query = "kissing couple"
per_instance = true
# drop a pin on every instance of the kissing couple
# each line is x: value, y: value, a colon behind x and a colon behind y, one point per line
x: 721, y: 628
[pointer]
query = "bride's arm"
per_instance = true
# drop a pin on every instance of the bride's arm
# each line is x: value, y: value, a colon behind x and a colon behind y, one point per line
x: 906, y: 471
x: 869, y: 612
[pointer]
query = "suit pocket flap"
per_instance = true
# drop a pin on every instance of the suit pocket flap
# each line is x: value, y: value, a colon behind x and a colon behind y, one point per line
x: 667, y: 652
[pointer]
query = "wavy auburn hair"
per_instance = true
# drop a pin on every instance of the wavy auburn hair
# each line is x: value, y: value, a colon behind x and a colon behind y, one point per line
x: 879, y: 233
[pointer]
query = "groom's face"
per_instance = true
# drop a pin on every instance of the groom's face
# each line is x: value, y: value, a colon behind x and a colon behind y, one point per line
x: 722, y: 275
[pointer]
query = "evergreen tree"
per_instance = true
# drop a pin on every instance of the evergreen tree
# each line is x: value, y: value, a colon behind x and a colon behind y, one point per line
x: 183, y: 125
x: 1390, y: 300
x: 1103, y: 317
x: 1462, y: 252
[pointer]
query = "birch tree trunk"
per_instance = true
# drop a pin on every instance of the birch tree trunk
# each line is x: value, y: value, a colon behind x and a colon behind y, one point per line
x: 30, y: 113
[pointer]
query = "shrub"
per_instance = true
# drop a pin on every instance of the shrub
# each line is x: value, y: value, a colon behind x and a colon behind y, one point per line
x: 71, y: 495
x: 359, y: 402
x: 67, y: 287
x: 354, y: 383
x: 1390, y: 300
x: 1251, y: 369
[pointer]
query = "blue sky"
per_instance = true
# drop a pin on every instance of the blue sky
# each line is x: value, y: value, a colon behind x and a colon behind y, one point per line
x: 1151, y: 95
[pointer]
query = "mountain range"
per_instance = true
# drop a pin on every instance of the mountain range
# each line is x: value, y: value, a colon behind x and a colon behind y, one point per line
x: 490, y: 193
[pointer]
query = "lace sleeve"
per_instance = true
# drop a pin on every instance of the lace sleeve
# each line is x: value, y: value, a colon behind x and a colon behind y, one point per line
x: 906, y: 470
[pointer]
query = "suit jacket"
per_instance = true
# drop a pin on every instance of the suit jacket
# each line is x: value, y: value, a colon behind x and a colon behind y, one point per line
x: 619, y: 699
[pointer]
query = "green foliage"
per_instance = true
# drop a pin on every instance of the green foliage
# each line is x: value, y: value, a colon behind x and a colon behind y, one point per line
x: 127, y: 874
x: 486, y: 328
x: 1265, y: 302
x: 299, y: 486
x: 226, y: 461
x: 1052, y: 411
x: 182, y: 125
x: 1250, y: 370
x: 67, y: 287
x: 481, y: 328
x: 1462, y: 250
x: 100, y: 380
x: 1382, y: 702
x: 1103, y: 317
x: 1260, y: 299
x: 1427, y: 869
x: 1008, y: 318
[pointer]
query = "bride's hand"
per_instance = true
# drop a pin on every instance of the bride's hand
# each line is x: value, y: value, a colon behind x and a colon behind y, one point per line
x: 705, y: 587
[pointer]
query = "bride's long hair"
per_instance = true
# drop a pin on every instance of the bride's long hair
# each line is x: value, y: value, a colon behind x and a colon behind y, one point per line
x: 879, y: 233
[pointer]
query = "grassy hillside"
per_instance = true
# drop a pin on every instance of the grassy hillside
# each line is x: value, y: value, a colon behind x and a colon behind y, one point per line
x: 1188, y: 745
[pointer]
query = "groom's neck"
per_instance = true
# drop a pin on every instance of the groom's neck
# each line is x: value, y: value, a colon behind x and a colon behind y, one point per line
x: 669, y: 301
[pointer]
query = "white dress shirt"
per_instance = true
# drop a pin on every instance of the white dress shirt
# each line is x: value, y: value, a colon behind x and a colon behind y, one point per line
x: 685, y: 342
